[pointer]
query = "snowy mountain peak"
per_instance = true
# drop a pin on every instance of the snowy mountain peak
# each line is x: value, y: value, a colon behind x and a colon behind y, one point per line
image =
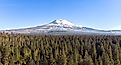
x: 62, y: 22
x: 61, y: 26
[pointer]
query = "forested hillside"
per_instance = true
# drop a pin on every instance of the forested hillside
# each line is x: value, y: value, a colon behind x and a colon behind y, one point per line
x: 18, y: 49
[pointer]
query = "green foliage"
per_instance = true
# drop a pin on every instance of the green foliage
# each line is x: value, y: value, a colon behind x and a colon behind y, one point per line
x: 20, y: 49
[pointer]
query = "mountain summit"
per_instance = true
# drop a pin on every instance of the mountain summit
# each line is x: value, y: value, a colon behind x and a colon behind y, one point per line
x: 62, y: 22
x: 62, y: 27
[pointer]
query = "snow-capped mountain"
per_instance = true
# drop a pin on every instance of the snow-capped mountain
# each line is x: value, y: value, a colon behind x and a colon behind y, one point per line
x: 61, y: 26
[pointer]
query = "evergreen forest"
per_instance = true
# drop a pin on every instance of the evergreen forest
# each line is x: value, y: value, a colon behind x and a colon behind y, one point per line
x: 21, y: 49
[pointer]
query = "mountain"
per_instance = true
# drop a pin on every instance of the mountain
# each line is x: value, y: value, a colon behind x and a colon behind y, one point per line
x: 62, y: 27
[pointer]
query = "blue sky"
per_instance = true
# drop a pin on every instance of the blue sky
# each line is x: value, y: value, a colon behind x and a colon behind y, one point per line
x: 98, y: 14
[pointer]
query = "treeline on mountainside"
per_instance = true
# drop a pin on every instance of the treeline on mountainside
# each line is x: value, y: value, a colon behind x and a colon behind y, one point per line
x: 21, y: 49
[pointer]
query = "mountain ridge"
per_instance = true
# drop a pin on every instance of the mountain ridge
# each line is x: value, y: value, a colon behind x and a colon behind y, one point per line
x: 62, y: 26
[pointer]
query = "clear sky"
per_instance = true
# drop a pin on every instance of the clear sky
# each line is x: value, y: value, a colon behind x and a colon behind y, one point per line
x: 98, y: 14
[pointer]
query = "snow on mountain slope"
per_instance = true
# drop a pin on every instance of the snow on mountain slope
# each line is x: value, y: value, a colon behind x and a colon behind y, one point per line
x: 55, y: 26
x: 116, y: 28
x: 62, y: 22
x: 58, y: 25
x: 61, y: 26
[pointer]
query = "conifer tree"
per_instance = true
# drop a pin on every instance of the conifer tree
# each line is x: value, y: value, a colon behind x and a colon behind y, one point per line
x: 100, y: 62
x: 87, y: 59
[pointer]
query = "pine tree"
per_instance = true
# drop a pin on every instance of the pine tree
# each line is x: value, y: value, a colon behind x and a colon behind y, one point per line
x: 100, y: 62
x: 116, y: 55
x: 80, y: 60
x: 87, y: 59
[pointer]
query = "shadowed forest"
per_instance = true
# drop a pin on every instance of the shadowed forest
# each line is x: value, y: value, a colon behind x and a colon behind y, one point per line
x: 18, y: 49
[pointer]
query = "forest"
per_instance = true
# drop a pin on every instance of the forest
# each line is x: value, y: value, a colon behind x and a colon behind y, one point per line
x: 21, y: 49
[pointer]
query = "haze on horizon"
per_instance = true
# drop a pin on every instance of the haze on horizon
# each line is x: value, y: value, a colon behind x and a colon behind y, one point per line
x: 97, y: 14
